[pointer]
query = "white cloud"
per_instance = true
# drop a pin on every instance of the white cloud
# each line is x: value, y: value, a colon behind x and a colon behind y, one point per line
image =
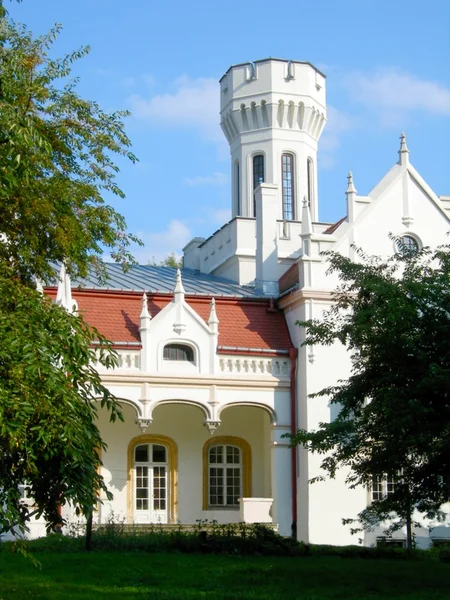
x: 194, y: 103
x: 158, y: 245
x: 132, y: 81
x: 216, y: 178
x: 390, y: 89
x: 338, y: 124
x: 219, y: 216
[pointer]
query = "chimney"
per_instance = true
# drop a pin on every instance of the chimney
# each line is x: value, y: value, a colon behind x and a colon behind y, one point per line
x: 266, y: 197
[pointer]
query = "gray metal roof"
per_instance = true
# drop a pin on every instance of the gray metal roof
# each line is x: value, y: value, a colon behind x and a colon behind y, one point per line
x: 154, y: 279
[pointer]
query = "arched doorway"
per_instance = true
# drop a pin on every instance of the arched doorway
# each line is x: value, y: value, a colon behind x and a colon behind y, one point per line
x: 152, y: 479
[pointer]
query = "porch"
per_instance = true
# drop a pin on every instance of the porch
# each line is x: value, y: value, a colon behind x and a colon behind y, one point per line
x: 178, y: 473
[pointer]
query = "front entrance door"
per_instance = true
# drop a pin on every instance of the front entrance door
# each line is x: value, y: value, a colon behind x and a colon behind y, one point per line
x: 151, y: 484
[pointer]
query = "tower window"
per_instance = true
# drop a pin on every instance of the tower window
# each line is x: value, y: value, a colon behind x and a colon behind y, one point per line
x: 238, y: 187
x: 258, y: 176
x: 178, y: 352
x: 310, y: 180
x: 287, y: 168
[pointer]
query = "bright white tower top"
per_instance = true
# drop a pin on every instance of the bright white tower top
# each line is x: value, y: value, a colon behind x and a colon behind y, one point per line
x: 273, y: 112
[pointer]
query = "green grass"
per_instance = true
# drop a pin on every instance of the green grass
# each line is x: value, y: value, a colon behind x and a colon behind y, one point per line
x: 72, y: 575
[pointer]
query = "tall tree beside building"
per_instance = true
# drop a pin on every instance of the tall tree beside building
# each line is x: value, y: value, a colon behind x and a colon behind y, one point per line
x: 56, y: 164
x: 394, y: 409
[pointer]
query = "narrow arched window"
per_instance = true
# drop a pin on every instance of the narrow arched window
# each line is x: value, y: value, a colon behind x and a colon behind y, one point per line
x: 288, y: 191
x: 258, y: 176
x: 224, y: 475
x: 237, y: 183
x: 310, y: 180
x: 178, y: 352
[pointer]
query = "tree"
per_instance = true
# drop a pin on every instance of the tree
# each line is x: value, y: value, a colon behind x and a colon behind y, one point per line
x: 394, y: 409
x: 168, y: 261
x: 56, y: 163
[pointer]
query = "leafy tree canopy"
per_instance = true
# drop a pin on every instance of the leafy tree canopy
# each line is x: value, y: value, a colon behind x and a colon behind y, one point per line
x: 394, y: 409
x: 56, y: 164
x: 168, y: 261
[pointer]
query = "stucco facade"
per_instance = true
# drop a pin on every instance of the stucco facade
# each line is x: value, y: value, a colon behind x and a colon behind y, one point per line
x: 238, y: 378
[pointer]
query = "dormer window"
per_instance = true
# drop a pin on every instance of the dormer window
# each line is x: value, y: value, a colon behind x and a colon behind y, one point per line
x: 179, y: 352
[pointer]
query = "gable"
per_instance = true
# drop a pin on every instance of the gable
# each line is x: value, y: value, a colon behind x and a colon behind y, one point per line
x: 248, y: 324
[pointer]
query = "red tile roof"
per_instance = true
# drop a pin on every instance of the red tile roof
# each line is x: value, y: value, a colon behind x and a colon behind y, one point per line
x: 289, y: 278
x: 243, y: 323
x: 332, y: 228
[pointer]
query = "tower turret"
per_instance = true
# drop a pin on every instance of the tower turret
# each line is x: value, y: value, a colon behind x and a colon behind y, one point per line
x: 272, y: 113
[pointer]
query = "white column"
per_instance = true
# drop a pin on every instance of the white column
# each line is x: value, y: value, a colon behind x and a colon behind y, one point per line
x: 266, y: 196
x: 281, y: 457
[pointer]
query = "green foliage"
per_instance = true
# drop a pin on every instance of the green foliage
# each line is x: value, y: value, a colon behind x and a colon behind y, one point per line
x: 394, y: 409
x: 204, y: 537
x: 48, y: 388
x: 69, y: 573
x: 56, y: 164
x: 169, y: 261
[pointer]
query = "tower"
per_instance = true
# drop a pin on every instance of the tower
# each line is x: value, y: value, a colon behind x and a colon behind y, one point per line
x: 272, y: 113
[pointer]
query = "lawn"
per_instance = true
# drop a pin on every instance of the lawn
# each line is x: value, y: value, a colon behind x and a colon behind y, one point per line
x: 162, y: 576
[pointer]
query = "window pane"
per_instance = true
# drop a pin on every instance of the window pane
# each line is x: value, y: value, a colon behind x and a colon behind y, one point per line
x: 225, y: 483
x: 178, y: 352
x: 142, y: 491
x: 233, y: 455
x: 141, y: 453
x: 258, y: 175
x: 310, y: 176
x: 159, y: 453
x: 216, y: 455
x: 159, y: 488
x: 287, y: 178
x: 407, y: 245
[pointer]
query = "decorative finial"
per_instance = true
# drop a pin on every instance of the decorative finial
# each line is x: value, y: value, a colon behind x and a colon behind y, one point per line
x: 307, y: 228
x: 213, y: 320
x: 350, y: 186
x: 64, y: 292
x: 144, y: 312
x: 179, y: 289
x: 404, y: 151
x: 179, y: 326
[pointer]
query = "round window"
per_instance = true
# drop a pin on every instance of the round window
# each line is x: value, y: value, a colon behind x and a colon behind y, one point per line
x: 407, y: 244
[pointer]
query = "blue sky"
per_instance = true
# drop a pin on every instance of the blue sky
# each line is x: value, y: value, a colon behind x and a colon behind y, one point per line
x: 387, y: 67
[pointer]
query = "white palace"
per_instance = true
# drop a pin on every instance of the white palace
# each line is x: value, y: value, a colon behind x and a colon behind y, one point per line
x: 212, y: 372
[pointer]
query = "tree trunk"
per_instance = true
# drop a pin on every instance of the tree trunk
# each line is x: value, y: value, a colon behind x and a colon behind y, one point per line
x: 88, y: 541
x: 409, y: 534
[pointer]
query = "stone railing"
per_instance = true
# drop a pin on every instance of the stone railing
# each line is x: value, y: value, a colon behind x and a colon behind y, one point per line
x: 129, y: 360
x: 248, y: 365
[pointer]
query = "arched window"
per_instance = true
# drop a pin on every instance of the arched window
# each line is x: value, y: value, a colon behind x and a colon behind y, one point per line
x: 310, y: 180
x: 178, y: 352
x: 227, y: 472
x: 258, y: 176
x: 288, y: 192
x: 225, y: 475
x: 237, y: 183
